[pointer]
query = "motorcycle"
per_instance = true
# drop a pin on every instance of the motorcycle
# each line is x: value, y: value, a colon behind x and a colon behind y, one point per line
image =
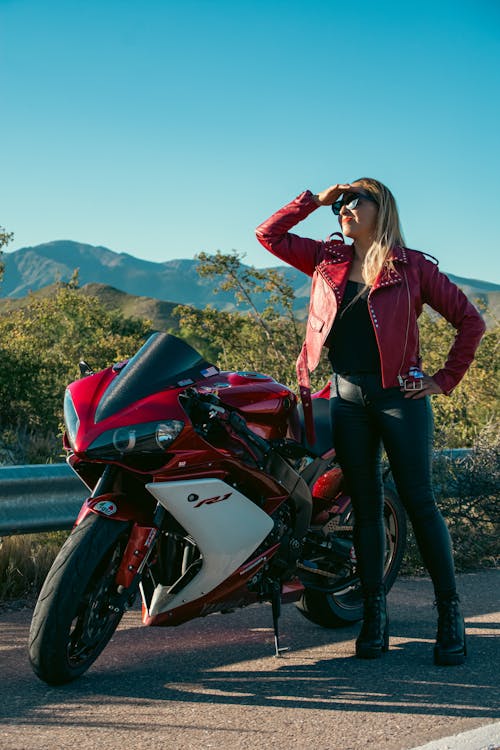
x: 204, y: 497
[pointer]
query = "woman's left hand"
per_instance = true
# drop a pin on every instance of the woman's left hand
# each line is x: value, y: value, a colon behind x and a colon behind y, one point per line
x: 429, y: 388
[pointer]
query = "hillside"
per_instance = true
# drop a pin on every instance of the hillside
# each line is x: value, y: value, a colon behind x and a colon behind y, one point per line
x: 158, y: 311
x: 32, y: 268
x: 139, y: 285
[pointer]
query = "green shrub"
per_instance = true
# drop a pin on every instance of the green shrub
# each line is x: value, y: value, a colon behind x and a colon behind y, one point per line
x: 467, y: 494
x: 41, y: 345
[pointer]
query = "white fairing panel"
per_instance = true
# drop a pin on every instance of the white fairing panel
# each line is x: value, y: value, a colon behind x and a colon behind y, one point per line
x: 226, y: 526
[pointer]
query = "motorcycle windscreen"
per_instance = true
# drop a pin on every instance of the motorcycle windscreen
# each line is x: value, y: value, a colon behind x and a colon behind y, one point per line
x: 162, y: 362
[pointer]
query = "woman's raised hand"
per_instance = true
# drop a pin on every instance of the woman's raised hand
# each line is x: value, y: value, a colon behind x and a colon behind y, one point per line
x: 331, y: 194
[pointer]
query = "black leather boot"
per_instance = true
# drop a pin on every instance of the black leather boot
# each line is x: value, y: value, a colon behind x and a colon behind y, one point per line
x: 373, y: 639
x: 450, y: 648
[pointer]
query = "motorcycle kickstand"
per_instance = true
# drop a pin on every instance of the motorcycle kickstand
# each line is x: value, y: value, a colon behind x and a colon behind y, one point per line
x: 276, y: 607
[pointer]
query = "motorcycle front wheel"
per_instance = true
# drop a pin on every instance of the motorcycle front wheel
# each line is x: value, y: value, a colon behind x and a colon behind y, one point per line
x: 73, y: 618
x: 344, y: 605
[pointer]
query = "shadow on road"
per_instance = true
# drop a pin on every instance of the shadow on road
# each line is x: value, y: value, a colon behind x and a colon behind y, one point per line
x: 228, y: 660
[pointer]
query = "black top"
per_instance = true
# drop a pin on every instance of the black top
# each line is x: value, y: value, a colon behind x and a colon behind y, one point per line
x: 352, y: 342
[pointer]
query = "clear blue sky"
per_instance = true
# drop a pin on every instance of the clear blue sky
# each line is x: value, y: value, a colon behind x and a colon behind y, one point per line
x: 161, y: 128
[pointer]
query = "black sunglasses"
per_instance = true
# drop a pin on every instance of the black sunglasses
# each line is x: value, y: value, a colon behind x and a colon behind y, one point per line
x: 350, y: 201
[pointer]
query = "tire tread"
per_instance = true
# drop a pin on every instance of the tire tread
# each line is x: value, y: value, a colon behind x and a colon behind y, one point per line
x: 61, y: 592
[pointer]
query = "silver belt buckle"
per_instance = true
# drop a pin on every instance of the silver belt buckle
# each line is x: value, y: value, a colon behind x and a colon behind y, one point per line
x: 413, y: 384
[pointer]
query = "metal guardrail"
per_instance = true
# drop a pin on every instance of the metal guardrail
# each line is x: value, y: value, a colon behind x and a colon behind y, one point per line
x: 39, y: 497
x: 47, y: 497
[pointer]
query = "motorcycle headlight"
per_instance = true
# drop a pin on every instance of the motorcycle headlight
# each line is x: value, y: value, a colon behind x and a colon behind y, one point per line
x: 150, y: 437
x: 71, y: 419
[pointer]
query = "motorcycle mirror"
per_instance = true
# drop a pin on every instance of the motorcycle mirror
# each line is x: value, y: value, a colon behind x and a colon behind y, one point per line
x: 85, y: 369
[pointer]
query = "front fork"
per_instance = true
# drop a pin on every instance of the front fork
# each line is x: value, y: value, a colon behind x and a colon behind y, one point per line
x: 142, y: 538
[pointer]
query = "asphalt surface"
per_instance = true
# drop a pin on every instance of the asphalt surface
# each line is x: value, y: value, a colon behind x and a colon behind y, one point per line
x: 214, y: 683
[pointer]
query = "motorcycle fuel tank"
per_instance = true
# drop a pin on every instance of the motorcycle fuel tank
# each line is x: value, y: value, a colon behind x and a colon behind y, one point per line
x: 265, y: 404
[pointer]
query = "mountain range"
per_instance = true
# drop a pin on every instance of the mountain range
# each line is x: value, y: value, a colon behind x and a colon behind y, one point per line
x: 30, y: 269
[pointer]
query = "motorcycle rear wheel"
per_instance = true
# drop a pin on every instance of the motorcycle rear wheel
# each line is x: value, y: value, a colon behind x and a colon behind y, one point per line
x: 73, y: 621
x: 344, y: 606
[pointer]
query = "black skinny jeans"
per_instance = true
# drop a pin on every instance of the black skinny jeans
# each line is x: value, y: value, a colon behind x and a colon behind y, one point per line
x: 364, y: 416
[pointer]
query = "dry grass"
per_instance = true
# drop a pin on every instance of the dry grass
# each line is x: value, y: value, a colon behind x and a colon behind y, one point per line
x: 25, y: 561
x: 20, y: 445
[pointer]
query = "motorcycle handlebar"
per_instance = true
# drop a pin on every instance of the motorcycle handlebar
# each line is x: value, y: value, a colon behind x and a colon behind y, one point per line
x: 238, y: 423
x: 212, y: 405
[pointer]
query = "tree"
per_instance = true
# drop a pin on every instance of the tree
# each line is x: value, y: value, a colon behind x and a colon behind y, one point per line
x: 5, y: 238
x: 41, y: 345
x: 266, y: 337
x: 247, y: 283
x: 474, y: 402
x: 74, y: 282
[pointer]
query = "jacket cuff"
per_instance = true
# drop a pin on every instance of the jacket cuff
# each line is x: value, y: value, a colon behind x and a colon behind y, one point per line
x: 307, y: 198
x: 444, y: 382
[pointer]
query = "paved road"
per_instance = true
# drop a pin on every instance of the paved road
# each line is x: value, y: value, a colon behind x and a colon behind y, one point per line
x: 214, y: 683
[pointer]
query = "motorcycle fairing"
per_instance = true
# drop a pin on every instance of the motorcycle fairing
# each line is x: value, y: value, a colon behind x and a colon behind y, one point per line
x: 163, y: 361
x: 228, y: 528
x: 116, y: 506
x: 232, y: 593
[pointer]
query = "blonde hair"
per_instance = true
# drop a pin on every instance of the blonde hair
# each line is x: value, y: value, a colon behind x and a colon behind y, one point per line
x: 388, y: 233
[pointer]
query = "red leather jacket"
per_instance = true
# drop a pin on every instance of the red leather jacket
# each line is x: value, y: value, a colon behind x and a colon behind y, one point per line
x: 395, y: 300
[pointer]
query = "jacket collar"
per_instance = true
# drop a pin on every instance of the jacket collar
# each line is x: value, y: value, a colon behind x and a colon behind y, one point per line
x: 334, y: 267
x: 398, y: 253
x: 390, y: 276
x: 338, y: 254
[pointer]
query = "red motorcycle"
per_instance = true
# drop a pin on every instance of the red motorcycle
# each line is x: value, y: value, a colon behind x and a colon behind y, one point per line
x: 204, y: 497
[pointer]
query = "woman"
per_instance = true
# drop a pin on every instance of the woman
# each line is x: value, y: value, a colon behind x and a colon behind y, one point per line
x: 365, y: 301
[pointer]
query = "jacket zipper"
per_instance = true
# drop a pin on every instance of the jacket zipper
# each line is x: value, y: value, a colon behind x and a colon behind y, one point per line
x: 375, y: 326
